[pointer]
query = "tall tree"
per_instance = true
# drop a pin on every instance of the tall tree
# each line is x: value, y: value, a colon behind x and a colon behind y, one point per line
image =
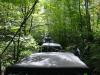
x: 89, y: 30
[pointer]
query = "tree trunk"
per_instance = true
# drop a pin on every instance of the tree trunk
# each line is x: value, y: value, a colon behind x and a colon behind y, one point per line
x: 89, y: 30
x: 14, y: 53
x: 18, y: 47
x: 0, y: 67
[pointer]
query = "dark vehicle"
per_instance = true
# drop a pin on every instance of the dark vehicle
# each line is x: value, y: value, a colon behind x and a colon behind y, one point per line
x: 49, y: 46
x: 44, y: 63
x: 49, y: 60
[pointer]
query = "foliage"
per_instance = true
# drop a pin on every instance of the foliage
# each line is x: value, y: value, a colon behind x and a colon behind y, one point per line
x: 69, y: 22
x: 23, y: 44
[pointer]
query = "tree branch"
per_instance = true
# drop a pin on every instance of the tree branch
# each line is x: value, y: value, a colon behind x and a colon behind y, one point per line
x: 21, y: 25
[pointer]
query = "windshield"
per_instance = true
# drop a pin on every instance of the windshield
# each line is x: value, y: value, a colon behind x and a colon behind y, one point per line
x: 51, y: 49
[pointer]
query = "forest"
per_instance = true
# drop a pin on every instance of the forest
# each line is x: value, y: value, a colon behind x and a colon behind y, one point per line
x: 24, y: 23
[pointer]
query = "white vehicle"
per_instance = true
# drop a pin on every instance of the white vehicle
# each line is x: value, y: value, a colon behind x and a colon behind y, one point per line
x: 50, y: 47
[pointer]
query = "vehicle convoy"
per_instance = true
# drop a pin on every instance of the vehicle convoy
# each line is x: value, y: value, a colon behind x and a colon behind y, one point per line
x: 49, y: 60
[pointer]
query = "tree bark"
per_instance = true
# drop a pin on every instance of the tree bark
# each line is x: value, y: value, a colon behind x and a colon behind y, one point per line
x: 89, y: 30
x: 18, y: 47
x: 0, y: 67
